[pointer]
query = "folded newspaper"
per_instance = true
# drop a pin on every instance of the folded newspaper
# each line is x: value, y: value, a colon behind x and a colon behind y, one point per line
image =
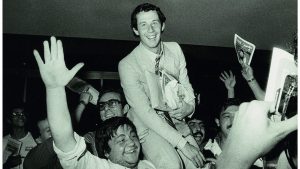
x: 13, y: 146
x: 244, y: 50
x: 166, y: 93
x: 282, y: 83
x: 78, y: 85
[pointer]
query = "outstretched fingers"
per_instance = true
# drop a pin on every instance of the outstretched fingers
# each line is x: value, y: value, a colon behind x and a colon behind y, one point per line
x: 76, y: 68
x: 283, y: 128
x: 60, y: 50
x: 53, y: 47
x: 47, y: 55
x: 38, y: 58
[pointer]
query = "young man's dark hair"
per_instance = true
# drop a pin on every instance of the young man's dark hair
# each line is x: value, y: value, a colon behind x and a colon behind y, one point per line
x: 228, y: 102
x: 110, y: 90
x: 108, y: 130
x: 145, y: 7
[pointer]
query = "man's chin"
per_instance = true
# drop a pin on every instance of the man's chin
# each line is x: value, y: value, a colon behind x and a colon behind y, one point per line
x: 132, y: 162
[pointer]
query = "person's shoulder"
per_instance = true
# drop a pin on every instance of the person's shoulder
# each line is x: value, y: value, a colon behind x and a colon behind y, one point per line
x: 130, y: 59
x: 6, y: 137
x: 171, y: 44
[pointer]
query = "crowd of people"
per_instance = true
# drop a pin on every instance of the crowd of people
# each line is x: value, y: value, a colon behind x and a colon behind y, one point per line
x: 133, y: 133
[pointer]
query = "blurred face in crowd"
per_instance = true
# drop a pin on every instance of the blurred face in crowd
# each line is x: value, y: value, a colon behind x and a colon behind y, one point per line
x: 226, y: 118
x: 110, y: 105
x: 18, y: 117
x: 198, y: 130
x: 125, y: 147
x: 149, y: 29
x: 44, y: 129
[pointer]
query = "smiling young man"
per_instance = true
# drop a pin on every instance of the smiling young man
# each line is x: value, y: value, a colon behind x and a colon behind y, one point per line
x: 152, y: 55
x: 120, y: 141
x: 69, y: 146
x: 224, y: 121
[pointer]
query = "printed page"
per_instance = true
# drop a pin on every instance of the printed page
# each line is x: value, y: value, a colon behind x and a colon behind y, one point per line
x: 244, y: 50
x: 282, y: 83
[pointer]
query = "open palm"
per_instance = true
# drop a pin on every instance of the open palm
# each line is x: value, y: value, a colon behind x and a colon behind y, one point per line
x: 228, y: 79
x: 54, y: 71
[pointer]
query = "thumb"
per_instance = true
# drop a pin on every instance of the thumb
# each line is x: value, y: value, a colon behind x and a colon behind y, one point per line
x: 76, y: 68
x: 174, y: 111
x: 283, y: 128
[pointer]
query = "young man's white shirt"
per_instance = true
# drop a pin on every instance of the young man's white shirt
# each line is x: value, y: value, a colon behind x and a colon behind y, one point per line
x: 80, y: 158
x: 27, y: 144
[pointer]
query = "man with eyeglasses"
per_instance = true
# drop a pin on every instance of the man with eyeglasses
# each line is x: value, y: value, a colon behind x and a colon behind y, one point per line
x: 118, y: 133
x: 18, y: 142
x: 111, y: 103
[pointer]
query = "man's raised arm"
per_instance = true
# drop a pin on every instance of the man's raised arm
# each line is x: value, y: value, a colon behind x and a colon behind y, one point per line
x: 55, y: 76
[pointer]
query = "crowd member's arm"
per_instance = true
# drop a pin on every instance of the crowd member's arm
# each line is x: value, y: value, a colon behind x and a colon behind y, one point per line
x: 247, y: 73
x: 12, y: 161
x: 252, y: 135
x: 137, y: 99
x: 229, y: 82
x: 83, y: 101
x: 55, y: 76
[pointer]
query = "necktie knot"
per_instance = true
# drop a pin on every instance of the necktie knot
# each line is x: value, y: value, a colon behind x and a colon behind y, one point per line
x: 157, y: 59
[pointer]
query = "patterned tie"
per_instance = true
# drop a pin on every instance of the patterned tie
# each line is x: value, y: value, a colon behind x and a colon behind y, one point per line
x: 157, y: 59
x: 165, y: 114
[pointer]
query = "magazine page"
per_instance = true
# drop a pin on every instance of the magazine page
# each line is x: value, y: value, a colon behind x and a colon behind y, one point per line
x: 13, y: 146
x: 155, y: 91
x: 174, y: 92
x: 78, y: 85
x: 244, y: 50
x: 282, y: 83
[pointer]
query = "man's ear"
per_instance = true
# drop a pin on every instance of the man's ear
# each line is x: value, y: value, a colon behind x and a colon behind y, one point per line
x: 136, y: 32
x: 106, y: 154
x: 217, y: 122
x: 38, y: 140
x: 126, y: 107
x: 163, y: 27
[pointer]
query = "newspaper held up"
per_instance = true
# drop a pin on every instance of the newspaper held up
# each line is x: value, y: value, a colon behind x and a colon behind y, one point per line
x: 282, y: 84
x: 244, y: 50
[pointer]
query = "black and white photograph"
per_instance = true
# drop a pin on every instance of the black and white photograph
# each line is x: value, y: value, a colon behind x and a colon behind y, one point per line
x: 123, y: 84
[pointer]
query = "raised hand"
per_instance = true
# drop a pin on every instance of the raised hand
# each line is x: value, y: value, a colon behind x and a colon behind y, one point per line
x: 54, y: 71
x: 252, y: 135
x: 228, y: 80
x: 247, y: 72
x: 85, y: 96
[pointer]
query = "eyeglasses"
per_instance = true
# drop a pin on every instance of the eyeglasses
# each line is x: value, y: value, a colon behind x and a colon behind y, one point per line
x: 110, y: 103
x: 19, y: 114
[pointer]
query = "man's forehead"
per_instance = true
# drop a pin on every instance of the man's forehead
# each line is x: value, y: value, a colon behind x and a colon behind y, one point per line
x: 230, y: 109
x: 143, y: 16
x: 123, y: 129
x: 43, y: 123
x: 195, y: 121
x: 110, y: 95
x: 17, y: 110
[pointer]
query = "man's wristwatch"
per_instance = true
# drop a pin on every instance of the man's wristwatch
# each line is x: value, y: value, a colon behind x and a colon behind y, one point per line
x: 82, y: 102
x: 181, y: 143
x: 250, y: 80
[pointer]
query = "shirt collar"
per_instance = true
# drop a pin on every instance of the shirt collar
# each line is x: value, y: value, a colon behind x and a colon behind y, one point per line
x: 149, y: 53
